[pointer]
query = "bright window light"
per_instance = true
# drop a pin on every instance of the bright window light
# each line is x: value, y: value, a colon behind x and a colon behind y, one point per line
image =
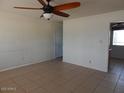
x: 118, y: 37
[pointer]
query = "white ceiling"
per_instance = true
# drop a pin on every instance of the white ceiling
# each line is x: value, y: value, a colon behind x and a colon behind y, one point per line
x: 88, y: 7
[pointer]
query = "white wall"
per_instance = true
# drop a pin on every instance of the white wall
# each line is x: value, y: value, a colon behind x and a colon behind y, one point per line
x: 25, y: 41
x: 86, y: 40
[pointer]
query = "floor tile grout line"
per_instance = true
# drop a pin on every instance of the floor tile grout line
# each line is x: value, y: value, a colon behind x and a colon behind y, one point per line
x: 21, y: 86
x: 117, y: 82
x: 97, y: 86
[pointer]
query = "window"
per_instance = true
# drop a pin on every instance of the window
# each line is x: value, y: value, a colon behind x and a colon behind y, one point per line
x: 118, y: 37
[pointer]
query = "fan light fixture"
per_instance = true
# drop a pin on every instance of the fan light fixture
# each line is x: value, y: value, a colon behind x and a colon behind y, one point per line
x: 47, y: 15
x: 49, y: 10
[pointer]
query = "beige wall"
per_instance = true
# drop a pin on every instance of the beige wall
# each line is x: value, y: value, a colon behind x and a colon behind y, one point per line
x: 86, y: 40
x: 25, y: 41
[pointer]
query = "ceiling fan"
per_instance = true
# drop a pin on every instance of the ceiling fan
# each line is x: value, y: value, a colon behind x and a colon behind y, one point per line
x: 49, y: 9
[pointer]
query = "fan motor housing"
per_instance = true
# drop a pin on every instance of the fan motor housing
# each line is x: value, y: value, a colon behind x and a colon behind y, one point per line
x: 48, y: 9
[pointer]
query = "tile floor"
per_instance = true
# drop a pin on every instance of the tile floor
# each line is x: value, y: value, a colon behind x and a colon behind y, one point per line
x: 59, y: 77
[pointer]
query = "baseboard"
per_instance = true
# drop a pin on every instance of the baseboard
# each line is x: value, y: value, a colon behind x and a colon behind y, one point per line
x: 88, y: 67
x: 19, y: 66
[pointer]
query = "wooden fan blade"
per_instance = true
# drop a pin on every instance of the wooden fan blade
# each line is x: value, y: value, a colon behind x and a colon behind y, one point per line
x: 67, y: 6
x: 42, y: 2
x: 61, y: 14
x: 28, y: 8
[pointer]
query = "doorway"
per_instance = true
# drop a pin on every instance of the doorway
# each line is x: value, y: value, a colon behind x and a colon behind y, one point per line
x: 59, y: 42
x: 117, y: 40
x: 116, y: 49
